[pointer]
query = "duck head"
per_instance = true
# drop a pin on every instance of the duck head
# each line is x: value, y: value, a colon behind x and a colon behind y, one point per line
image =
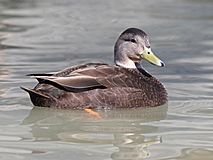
x: 131, y: 47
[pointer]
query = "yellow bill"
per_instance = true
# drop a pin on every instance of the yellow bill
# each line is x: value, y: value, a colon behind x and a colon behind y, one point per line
x: 149, y: 56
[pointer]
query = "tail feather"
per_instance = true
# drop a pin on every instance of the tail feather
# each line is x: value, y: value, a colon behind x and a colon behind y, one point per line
x: 40, y: 80
x: 42, y: 74
x: 33, y: 93
x: 39, y: 99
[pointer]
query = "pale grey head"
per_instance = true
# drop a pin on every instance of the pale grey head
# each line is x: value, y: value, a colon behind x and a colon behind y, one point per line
x: 131, y: 47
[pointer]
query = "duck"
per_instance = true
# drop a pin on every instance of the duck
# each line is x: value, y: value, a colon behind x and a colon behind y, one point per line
x: 125, y: 84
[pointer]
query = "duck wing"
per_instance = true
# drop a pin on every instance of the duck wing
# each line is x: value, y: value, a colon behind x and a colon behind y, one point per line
x: 89, y: 77
x: 100, y: 75
x: 74, y: 84
x: 66, y: 71
x: 74, y: 79
x: 121, y: 77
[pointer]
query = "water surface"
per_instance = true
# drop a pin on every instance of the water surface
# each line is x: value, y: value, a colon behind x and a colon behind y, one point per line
x: 38, y: 36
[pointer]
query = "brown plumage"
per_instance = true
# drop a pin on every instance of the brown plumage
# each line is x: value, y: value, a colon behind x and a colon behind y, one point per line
x: 99, y: 85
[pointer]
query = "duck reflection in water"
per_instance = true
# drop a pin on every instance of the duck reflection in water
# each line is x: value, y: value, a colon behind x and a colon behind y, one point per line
x: 122, y: 128
x: 5, y: 72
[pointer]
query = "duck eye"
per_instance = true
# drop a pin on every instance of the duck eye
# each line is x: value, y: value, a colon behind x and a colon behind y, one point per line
x: 133, y: 40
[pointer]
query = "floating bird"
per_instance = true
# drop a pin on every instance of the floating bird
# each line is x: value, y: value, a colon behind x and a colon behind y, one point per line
x: 98, y: 85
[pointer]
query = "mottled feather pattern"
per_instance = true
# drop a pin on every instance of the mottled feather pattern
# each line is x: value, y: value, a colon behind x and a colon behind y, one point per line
x: 67, y: 71
x: 98, y: 85
x: 125, y: 88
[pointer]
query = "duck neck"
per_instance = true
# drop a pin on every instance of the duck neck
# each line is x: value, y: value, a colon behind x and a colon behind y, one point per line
x: 125, y: 64
x: 121, y: 59
x: 121, y: 56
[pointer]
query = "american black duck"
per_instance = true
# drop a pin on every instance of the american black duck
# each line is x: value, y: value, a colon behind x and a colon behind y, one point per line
x: 98, y: 85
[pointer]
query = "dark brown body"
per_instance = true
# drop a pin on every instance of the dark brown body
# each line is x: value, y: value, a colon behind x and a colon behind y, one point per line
x: 97, y: 85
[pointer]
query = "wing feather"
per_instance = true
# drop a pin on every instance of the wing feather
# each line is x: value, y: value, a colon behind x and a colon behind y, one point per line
x: 72, y: 84
x: 91, y: 76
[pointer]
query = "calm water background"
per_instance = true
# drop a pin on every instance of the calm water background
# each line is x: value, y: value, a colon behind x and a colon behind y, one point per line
x: 39, y: 36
